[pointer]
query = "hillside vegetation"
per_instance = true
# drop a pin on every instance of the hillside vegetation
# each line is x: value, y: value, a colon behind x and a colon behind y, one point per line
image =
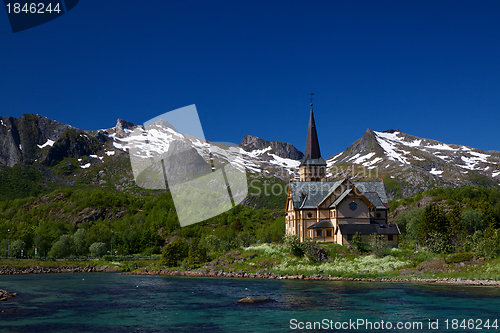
x: 464, y: 219
x: 68, y: 222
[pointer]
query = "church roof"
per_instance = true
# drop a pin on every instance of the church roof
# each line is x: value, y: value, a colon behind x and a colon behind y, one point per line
x: 375, y: 192
x: 308, y: 195
x: 312, y: 154
x: 322, y: 224
x: 368, y: 229
x: 316, y: 161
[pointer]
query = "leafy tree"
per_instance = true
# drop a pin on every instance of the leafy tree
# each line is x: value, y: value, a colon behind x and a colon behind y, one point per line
x: 472, y: 220
x: 409, y: 222
x: 63, y: 247
x: 40, y: 244
x: 4, y: 247
x: 98, y: 232
x: 16, y: 247
x: 245, y: 239
x: 197, y: 253
x: 433, y: 220
x: 98, y: 249
x: 174, y: 252
x: 79, y: 241
x: 211, y: 243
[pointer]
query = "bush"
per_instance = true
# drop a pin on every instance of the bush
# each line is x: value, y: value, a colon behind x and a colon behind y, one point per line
x: 378, y: 245
x: 459, y: 257
x: 483, y: 246
x: 98, y: 249
x: 438, y: 243
x: 357, y: 239
x: 293, y: 243
x: 313, y: 250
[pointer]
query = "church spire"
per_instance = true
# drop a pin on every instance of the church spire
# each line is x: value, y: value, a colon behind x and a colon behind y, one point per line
x: 312, y: 167
x: 312, y: 143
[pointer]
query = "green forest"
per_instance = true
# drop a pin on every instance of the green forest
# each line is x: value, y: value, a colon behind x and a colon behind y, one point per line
x: 463, y: 219
x: 72, y: 223
x: 89, y: 222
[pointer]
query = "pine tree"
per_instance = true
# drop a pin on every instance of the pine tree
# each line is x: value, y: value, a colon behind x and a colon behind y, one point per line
x: 197, y: 254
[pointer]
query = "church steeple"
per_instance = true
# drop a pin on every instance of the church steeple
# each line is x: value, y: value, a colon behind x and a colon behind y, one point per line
x: 312, y: 167
x: 312, y: 143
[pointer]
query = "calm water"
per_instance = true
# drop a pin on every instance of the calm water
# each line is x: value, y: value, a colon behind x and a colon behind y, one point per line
x: 105, y: 302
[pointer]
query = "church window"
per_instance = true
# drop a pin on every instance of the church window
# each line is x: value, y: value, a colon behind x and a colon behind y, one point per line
x: 318, y: 233
x: 328, y: 233
x: 378, y: 215
x: 309, y: 215
x: 353, y: 206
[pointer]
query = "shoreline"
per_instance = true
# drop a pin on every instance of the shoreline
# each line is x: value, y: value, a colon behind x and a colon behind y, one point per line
x: 222, y: 274
x: 315, y: 277
x: 60, y: 269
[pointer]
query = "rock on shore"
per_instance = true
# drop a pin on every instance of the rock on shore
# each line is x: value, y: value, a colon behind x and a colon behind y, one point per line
x: 267, y: 275
x: 5, y: 295
x: 41, y: 270
x: 255, y: 300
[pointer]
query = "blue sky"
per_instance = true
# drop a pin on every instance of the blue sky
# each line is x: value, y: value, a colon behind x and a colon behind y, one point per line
x: 429, y: 68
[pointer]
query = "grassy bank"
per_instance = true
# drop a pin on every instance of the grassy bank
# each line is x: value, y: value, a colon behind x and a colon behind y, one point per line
x: 342, y: 262
x: 124, y: 265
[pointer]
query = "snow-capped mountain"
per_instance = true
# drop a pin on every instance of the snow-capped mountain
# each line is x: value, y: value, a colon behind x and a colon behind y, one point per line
x: 407, y: 164
x: 415, y: 163
x: 253, y: 155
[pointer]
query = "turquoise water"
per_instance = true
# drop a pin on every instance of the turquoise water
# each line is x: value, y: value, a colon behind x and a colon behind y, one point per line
x: 106, y: 302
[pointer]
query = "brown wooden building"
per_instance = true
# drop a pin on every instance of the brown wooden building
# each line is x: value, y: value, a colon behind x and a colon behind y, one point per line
x: 334, y: 211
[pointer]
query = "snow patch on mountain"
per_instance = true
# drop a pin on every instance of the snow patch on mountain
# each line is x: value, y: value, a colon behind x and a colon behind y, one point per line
x: 361, y: 159
x: 388, y: 142
x: 434, y: 171
x: 155, y: 140
x: 48, y: 143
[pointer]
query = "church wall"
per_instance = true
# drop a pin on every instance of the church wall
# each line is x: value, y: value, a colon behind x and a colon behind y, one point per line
x: 324, y: 214
x: 382, y: 218
x: 353, y: 220
x: 394, y: 242
x: 323, y: 237
x: 345, y: 239
x: 344, y: 210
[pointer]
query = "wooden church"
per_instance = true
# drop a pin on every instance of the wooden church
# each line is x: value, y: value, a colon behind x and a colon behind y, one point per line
x: 334, y: 211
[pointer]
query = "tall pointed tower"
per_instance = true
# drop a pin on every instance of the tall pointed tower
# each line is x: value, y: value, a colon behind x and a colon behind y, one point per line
x: 313, y: 166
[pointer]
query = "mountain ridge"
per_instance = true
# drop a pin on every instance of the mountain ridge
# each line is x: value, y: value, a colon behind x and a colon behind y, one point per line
x: 406, y: 163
